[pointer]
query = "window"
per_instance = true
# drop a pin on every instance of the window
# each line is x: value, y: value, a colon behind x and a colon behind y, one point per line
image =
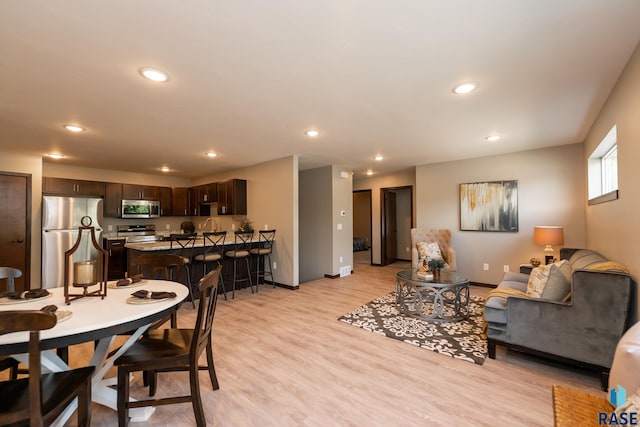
x: 603, y: 170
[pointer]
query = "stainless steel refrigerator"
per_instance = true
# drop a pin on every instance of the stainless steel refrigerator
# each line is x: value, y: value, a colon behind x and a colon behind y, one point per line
x: 60, y: 221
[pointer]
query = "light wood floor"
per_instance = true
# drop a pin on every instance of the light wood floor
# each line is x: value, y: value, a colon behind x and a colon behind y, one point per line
x: 283, y: 359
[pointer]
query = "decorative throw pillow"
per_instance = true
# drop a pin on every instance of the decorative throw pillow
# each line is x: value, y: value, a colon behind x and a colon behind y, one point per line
x: 551, y: 276
x: 422, y: 251
x: 558, y: 282
x: 434, y: 252
x: 537, y: 281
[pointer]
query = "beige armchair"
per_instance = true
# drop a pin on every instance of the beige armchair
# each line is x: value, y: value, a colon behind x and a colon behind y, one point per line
x: 440, y: 236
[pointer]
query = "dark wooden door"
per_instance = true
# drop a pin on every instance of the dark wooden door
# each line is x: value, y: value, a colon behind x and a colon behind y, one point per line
x: 390, y: 228
x: 15, y: 226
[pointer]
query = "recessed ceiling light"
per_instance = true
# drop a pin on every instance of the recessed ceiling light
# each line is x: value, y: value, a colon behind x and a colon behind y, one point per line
x: 492, y: 138
x: 154, y: 74
x: 378, y: 157
x: 369, y: 172
x: 211, y: 154
x: 165, y: 169
x: 465, y: 88
x: 312, y: 133
x: 73, y: 128
x: 55, y: 156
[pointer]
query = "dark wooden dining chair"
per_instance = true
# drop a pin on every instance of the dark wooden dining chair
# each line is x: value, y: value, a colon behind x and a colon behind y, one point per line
x: 170, y: 350
x: 163, y: 267
x: 39, y: 399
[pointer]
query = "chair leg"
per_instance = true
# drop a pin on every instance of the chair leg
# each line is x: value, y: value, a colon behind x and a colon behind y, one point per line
x: 84, y: 404
x: 233, y: 292
x: 196, y: 400
x: 246, y: 260
x: 273, y: 282
x: 153, y: 382
x: 212, y: 369
x: 224, y: 291
x: 123, y: 397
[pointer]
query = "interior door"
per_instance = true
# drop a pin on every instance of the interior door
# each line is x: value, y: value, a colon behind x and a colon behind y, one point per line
x: 390, y: 229
x: 15, y: 223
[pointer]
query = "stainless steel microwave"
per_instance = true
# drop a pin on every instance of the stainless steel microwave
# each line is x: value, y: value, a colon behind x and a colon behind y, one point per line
x: 140, y: 209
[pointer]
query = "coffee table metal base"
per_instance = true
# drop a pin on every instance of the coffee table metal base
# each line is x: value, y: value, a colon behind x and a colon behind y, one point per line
x: 435, y: 302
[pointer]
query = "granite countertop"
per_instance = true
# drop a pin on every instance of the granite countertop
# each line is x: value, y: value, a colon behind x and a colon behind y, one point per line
x: 166, y: 245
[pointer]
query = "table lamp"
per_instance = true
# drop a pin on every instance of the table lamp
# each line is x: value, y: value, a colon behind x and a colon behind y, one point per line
x: 548, y: 235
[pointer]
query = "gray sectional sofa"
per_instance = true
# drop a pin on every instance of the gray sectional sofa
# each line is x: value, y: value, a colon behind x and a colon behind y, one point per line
x: 582, y: 326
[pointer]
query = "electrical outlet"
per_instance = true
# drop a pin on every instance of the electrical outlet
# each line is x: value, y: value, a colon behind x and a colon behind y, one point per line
x: 109, y: 227
x: 505, y: 268
x: 275, y: 265
x: 340, y: 259
x: 407, y: 249
x: 339, y: 226
x: 167, y: 226
x: 485, y: 266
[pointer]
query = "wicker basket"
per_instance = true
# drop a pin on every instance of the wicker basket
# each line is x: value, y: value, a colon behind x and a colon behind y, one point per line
x: 575, y: 408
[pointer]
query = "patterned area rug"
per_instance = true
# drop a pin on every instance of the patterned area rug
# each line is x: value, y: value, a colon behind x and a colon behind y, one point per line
x: 460, y: 340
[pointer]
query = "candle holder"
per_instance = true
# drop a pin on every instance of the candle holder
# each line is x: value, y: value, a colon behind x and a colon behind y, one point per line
x: 83, y: 271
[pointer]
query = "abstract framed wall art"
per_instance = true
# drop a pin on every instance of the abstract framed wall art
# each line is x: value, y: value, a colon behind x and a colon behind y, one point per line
x: 489, y: 206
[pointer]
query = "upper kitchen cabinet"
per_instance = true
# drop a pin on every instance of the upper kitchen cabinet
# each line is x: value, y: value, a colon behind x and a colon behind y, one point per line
x: 166, y: 208
x: 208, y: 193
x: 180, y: 201
x: 201, y: 197
x: 72, y: 187
x: 112, y: 200
x: 140, y: 192
x: 232, y: 197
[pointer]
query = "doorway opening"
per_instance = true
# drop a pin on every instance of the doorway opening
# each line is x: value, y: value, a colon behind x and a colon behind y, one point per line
x: 362, y: 227
x: 396, y: 221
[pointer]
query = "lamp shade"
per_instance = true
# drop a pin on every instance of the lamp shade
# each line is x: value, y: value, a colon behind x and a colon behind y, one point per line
x: 548, y: 235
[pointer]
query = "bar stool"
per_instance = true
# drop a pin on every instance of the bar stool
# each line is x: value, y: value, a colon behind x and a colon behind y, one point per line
x: 264, y: 249
x: 213, y: 252
x: 241, y: 247
x: 182, y: 245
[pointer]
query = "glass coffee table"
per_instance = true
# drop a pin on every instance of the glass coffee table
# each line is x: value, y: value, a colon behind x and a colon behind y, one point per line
x: 444, y: 300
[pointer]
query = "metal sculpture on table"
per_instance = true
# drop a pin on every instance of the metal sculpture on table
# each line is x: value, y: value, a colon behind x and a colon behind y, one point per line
x: 85, y: 273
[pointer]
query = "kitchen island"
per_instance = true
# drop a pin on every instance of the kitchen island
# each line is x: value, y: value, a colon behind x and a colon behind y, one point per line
x: 134, y: 250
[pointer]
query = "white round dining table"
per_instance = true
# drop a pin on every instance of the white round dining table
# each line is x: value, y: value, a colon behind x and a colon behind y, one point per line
x: 99, y: 320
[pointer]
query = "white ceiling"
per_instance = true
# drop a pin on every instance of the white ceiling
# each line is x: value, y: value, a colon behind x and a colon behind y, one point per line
x: 247, y: 78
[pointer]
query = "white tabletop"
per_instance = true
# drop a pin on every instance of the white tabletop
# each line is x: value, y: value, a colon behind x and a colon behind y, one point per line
x: 94, y: 318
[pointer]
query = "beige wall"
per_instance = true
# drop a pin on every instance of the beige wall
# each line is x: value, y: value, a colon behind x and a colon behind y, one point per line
x: 613, y: 228
x: 551, y: 191
x: 12, y: 162
x: 375, y: 183
x: 272, y: 200
x: 342, y: 214
x: 316, y: 223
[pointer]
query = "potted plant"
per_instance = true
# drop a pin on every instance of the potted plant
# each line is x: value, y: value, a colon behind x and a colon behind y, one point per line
x: 246, y: 226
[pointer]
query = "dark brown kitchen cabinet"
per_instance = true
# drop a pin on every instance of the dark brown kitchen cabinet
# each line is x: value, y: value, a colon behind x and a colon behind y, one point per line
x: 117, y: 258
x: 180, y: 201
x: 232, y: 197
x: 207, y: 193
x: 166, y: 208
x: 112, y: 200
x: 140, y: 192
x: 72, y: 187
x: 194, y: 205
